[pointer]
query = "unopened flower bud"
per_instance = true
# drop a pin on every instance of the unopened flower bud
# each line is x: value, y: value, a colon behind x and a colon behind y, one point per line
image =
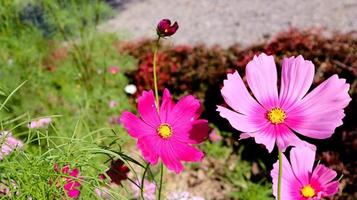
x: 165, y: 29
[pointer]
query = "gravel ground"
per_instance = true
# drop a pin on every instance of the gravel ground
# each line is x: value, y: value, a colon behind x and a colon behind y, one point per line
x: 228, y: 21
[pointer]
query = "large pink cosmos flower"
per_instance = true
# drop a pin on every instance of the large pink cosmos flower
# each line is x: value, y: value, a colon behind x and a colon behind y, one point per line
x: 272, y: 117
x: 300, y: 181
x: 169, y: 133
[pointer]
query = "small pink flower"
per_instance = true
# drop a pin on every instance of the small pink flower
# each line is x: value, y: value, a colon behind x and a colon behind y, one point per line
x: 113, y: 104
x: 214, y: 136
x: 4, y: 190
x: 41, y: 123
x: 272, y: 116
x: 300, y: 181
x: 72, y: 181
x: 165, y: 29
x: 8, y: 144
x: 169, y: 133
x: 149, y: 190
x: 113, y: 69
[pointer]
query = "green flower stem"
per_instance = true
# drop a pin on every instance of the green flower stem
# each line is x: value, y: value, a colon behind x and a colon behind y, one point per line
x: 154, y: 73
x: 280, y: 173
x: 156, y: 48
x: 142, y: 181
x: 161, y: 177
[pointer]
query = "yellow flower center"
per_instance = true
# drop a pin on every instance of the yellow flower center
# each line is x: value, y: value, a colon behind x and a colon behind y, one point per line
x: 164, y: 131
x: 276, y: 115
x: 307, y: 191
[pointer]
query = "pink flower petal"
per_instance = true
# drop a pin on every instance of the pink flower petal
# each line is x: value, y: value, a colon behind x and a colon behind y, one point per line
x: 241, y: 122
x: 302, y: 161
x: 262, y: 79
x: 290, y: 187
x: 74, y: 172
x: 135, y: 126
x: 296, y: 79
x: 186, y: 152
x: 236, y: 94
x: 169, y: 158
x: 199, y: 131
x: 265, y: 136
x: 331, y: 188
x: 147, y: 108
x: 193, y: 133
x: 70, y: 185
x: 65, y: 169
x: 321, y: 111
x: 150, y: 148
x: 323, y: 174
x: 166, y: 106
x: 74, y: 194
x: 285, y: 137
x: 185, y: 111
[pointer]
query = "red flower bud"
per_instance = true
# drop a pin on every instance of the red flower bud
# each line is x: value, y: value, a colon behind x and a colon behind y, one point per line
x: 164, y: 28
x: 118, y: 171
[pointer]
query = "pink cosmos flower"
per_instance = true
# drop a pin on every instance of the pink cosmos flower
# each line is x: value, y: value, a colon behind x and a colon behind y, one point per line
x: 149, y: 190
x: 113, y: 104
x: 169, y: 133
x: 113, y: 69
x: 41, y: 123
x: 72, y: 181
x: 300, y: 181
x: 8, y: 144
x: 214, y: 136
x: 271, y: 117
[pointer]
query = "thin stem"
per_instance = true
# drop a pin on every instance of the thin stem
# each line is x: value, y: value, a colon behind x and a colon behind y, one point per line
x: 154, y: 73
x: 280, y: 173
x: 142, y: 181
x: 161, y: 177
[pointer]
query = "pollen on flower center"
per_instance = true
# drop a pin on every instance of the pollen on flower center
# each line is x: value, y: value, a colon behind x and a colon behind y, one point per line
x: 276, y: 115
x: 164, y: 131
x: 307, y: 191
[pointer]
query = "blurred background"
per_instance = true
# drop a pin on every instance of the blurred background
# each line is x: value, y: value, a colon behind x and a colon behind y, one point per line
x: 85, y: 61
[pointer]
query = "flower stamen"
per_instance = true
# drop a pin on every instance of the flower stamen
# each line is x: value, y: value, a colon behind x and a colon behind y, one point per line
x: 165, y: 131
x: 307, y: 191
x: 276, y: 115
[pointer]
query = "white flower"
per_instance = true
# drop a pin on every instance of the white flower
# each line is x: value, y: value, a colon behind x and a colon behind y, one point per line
x: 130, y: 89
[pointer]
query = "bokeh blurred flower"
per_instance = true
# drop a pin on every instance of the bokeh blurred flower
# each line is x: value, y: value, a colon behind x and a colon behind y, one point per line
x: 103, y: 193
x: 41, y: 123
x: 300, y: 181
x: 165, y: 29
x: 4, y: 190
x: 113, y: 70
x: 8, y: 144
x: 149, y: 190
x: 214, y: 136
x: 183, y: 196
x: 72, y: 180
x: 130, y: 89
x: 112, y: 104
x: 169, y: 133
x: 118, y: 171
x: 271, y: 117
x: 114, y: 120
